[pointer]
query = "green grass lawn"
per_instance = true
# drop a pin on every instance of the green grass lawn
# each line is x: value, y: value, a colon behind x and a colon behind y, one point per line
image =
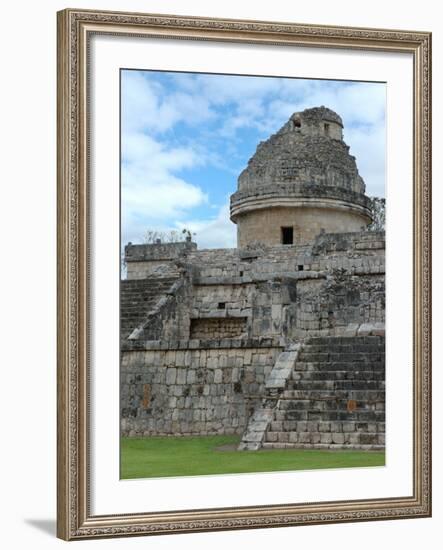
x: 191, y: 456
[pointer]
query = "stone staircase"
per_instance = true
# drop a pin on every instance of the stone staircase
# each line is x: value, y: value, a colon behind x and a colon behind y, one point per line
x: 137, y: 299
x: 334, y: 397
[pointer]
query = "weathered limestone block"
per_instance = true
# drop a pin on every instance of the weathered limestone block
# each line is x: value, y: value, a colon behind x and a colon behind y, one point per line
x: 282, y: 370
x: 218, y: 393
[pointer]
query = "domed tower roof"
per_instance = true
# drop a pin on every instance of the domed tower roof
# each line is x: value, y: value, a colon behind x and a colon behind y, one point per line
x: 305, y: 165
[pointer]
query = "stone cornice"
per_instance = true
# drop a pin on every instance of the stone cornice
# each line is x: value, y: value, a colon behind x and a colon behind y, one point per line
x: 298, y: 196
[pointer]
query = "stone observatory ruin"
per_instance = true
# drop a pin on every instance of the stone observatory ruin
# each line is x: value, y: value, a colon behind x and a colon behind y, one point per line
x: 280, y: 340
x: 300, y: 182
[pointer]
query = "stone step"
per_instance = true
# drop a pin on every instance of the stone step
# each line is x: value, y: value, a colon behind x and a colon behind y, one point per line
x: 128, y: 299
x: 135, y: 309
x: 148, y: 281
x: 343, y: 348
x: 337, y: 438
x: 145, y: 287
x: 129, y: 317
x: 135, y: 296
x: 133, y: 285
x: 323, y: 446
x: 345, y: 340
x: 321, y: 426
x: 364, y: 374
x: 310, y: 366
x: 138, y: 298
x: 323, y: 405
x: 358, y: 395
x: 335, y: 385
x: 365, y: 415
x: 144, y: 290
x: 337, y: 357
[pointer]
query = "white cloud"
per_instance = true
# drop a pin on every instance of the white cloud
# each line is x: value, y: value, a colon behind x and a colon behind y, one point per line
x: 147, y: 105
x: 369, y: 149
x: 225, y: 89
x: 150, y: 190
x: 140, y: 104
x: 217, y: 232
x: 213, y: 232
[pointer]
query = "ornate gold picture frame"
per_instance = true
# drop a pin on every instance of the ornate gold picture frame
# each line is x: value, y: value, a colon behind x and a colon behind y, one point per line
x: 76, y: 28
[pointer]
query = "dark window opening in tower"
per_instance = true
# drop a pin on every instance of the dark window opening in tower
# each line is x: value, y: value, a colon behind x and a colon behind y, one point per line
x: 326, y: 129
x: 297, y: 124
x: 287, y: 235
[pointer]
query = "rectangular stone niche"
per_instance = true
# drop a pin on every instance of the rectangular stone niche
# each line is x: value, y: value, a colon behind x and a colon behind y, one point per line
x: 214, y: 328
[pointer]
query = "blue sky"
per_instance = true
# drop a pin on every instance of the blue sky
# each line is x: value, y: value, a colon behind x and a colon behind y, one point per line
x: 186, y: 137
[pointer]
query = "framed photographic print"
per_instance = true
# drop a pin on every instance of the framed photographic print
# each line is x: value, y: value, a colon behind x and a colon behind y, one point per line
x: 244, y: 274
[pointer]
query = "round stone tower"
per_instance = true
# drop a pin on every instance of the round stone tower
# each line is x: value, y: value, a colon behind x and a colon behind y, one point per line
x: 300, y: 182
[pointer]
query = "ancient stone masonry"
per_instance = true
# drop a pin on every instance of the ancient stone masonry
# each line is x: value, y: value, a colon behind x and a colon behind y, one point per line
x: 206, y: 329
x: 302, y: 179
x: 193, y: 388
x: 334, y: 398
x: 137, y: 299
x: 155, y: 260
x: 280, y: 340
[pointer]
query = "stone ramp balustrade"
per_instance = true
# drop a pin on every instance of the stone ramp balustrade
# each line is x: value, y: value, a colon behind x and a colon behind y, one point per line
x: 277, y: 380
x: 252, y: 439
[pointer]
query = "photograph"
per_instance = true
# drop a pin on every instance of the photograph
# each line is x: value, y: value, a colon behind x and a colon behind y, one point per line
x: 223, y: 214
x: 252, y: 278
x: 243, y: 274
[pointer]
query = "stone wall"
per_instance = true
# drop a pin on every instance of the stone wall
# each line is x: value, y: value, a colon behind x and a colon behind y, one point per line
x: 154, y: 268
x: 314, y: 158
x: 319, y: 121
x: 207, y: 329
x: 296, y: 291
x: 266, y: 225
x: 356, y: 252
x: 155, y: 259
x: 212, y: 339
x: 186, y: 390
x: 263, y: 306
x: 305, y: 127
x: 281, y: 291
x: 326, y: 306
